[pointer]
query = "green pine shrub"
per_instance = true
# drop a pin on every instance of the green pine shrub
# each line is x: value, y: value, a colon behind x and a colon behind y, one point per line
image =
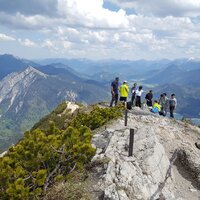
x: 97, y: 117
x: 40, y: 157
x: 43, y: 157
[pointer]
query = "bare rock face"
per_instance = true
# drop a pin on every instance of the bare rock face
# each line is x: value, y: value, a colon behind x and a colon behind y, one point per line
x: 17, y: 84
x: 165, y: 162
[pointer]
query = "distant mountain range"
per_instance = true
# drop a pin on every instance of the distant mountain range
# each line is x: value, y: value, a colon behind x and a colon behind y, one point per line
x: 174, y: 74
x: 124, y: 68
x: 131, y: 70
x: 31, y: 89
x: 9, y: 64
x: 29, y: 93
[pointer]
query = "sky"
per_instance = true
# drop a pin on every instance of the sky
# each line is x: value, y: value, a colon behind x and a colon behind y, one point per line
x: 100, y: 29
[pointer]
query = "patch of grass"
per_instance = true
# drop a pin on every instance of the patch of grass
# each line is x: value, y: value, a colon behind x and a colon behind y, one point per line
x: 76, y: 188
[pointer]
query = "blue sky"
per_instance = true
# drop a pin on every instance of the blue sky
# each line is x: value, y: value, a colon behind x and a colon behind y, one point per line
x: 100, y: 29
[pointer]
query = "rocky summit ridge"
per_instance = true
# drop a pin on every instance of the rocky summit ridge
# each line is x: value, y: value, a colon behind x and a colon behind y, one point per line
x: 165, y: 162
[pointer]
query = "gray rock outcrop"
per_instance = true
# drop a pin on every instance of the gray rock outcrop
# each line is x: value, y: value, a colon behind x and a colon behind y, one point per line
x: 17, y: 84
x: 165, y: 162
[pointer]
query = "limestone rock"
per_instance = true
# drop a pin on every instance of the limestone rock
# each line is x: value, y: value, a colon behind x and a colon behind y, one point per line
x: 150, y: 173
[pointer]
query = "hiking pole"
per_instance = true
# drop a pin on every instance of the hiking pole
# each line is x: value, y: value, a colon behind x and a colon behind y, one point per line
x: 131, y: 141
x: 126, y: 117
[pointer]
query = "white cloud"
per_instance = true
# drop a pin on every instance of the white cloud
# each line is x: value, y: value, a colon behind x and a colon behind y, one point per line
x: 59, y: 45
x: 20, y: 21
x: 4, y: 37
x: 26, y: 42
x: 91, y: 14
x: 70, y: 13
x: 86, y: 29
x: 47, y: 43
x: 66, y: 44
x: 162, y: 7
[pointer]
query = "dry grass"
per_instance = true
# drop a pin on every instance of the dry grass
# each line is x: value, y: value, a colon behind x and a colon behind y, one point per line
x: 71, y: 191
x: 75, y: 188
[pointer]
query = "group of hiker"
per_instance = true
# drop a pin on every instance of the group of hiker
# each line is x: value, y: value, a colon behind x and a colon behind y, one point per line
x: 160, y: 106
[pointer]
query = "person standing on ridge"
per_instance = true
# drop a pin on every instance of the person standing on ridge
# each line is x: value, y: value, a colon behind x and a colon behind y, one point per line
x: 161, y: 102
x: 133, y: 91
x: 172, y: 105
x: 164, y: 101
x: 166, y: 104
x: 138, y: 96
x: 124, y: 90
x: 149, y: 97
x: 114, y: 91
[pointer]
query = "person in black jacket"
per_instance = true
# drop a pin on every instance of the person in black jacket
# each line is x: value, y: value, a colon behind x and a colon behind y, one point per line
x: 133, y: 91
x: 114, y: 91
x: 149, y: 97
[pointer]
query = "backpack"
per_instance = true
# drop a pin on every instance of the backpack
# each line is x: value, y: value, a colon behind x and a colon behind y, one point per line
x: 129, y: 105
x: 154, y: 110
x: 172, y: 103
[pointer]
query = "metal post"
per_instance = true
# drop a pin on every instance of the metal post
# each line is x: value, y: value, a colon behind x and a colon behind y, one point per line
x: 126, y: 117
x: 131, y: 141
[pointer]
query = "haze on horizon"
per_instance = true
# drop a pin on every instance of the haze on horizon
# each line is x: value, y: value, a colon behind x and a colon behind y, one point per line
x: 100, y: 29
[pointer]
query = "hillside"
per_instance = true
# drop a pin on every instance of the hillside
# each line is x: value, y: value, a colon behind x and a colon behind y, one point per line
x: 50, y: 154
x: 165, y: 161
x: 28, y: 95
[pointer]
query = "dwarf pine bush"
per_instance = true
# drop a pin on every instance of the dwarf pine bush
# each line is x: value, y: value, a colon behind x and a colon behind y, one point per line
x: 45, y: 156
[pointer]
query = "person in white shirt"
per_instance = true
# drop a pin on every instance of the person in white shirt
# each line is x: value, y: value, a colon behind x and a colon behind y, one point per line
x: 139, y: 92
x: 172, y: 105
